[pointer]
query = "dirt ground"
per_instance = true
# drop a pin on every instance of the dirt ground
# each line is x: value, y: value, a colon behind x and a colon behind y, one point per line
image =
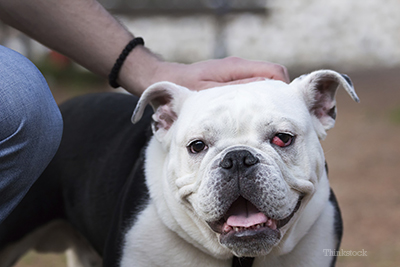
x: 363, y: 154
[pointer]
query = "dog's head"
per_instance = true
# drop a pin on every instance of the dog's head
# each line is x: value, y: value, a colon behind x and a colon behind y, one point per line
x: 243, y: 161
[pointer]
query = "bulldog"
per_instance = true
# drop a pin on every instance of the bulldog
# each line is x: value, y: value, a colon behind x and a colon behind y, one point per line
x: 229, y: 176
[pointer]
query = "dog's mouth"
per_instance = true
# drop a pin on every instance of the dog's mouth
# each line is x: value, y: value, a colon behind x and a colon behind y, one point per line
x: 244, y: 219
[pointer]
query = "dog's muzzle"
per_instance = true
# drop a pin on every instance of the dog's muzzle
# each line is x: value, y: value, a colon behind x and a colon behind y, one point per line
x: 243, y: 228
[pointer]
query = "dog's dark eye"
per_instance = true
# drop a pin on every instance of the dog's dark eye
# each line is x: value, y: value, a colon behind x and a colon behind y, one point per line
x: 283, y: 139
x: 197, y: 146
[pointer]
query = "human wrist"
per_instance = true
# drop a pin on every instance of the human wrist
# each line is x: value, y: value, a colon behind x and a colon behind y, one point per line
x: 113, y: 75
x: 138, y: 70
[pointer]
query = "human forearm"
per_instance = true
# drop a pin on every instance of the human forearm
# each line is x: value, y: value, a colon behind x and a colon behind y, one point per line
x: 80, y: 29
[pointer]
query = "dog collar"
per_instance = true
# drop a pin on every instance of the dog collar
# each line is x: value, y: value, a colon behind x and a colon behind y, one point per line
x: 242, y: 262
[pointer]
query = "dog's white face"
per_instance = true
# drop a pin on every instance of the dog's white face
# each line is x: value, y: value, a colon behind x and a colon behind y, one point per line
x: 244, y: 160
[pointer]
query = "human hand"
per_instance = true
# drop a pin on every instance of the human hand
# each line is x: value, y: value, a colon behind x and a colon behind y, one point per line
x: 142, y: 68
x: 218, y: 72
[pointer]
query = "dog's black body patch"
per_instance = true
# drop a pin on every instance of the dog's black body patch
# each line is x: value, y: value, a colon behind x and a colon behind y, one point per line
x: 100, y: 152
x: 338, y: 224
x: 242, y: 262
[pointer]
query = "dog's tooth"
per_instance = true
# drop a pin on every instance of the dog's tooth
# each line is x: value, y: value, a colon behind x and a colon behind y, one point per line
x: 258, y: 226
x: 227, y: 228
x: 273, y: 225
x: 236, y: 229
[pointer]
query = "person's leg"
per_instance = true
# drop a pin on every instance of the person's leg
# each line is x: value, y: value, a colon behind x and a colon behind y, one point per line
x: 30, y: 127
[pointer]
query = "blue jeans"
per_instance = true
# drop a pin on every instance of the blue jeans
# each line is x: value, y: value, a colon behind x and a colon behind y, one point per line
x: 30, y: 127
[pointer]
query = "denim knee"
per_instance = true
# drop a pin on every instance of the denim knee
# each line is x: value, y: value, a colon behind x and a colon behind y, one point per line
x: 30, y: 127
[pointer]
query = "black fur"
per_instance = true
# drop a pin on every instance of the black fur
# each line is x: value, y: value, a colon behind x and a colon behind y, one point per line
x: 348, y: 80
x: 338, y: 224
x: 242, y: 262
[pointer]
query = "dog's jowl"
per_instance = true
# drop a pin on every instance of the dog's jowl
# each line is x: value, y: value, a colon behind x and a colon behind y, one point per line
x: 219, y: 177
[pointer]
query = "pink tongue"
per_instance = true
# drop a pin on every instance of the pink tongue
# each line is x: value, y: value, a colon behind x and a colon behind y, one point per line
x: 244, y: 214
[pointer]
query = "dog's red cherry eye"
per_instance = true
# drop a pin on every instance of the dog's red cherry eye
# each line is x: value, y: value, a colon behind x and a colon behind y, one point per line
x: 282, y: 139
x: 197, y: 146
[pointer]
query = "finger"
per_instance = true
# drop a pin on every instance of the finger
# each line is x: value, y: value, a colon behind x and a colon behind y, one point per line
x: 210, y: 84
x: 239, y: 69
x: 247, y: 80
x: 284, y: 75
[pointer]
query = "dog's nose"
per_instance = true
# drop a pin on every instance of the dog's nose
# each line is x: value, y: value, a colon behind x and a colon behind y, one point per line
x: 238, y: 159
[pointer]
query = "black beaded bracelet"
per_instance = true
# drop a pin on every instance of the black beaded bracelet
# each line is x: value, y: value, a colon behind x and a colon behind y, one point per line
x: 112, y: 77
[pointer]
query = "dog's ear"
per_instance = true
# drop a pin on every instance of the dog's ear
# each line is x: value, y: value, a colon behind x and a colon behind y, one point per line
x: 319, y: 91
x: 166, y: 100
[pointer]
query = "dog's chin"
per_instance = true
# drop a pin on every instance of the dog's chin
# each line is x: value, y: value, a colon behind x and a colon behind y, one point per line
x: 251, y: 242
x: 253, y: 236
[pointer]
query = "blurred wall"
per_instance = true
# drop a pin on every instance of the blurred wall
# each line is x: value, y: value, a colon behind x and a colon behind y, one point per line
x: 346, y: 34
x: 302, y: 34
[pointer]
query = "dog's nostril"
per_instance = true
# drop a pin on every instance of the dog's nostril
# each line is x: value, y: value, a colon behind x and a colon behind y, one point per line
x: 250, y: 160
x: 226, y: 163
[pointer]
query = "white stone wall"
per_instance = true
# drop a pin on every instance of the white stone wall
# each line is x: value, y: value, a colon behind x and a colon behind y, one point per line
x: 307, y: 34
